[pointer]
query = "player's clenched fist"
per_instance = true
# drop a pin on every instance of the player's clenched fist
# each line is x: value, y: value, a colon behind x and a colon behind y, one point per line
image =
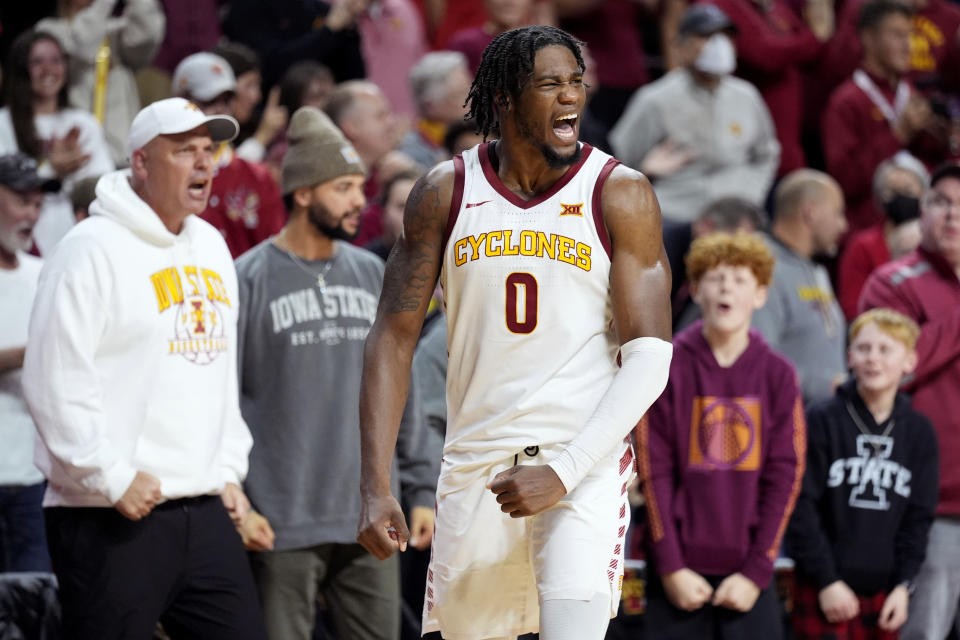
x: 141, y: 496
x: 527, y: 490
x: 382, y: 529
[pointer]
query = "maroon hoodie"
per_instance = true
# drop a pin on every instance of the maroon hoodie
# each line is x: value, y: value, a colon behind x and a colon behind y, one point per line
x: 722, y: 454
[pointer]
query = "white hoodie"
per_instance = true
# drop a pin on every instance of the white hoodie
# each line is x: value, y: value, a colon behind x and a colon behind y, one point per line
x: 131, y: 360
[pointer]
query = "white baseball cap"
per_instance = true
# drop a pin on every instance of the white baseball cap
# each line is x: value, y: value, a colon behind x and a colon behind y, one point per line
x: 176, y: 115
x: 203, y: 76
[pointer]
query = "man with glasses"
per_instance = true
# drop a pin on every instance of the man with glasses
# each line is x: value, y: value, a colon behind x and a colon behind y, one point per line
x: 924, y: 285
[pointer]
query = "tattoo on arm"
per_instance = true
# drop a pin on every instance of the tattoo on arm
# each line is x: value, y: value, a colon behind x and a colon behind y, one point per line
x: 414, y: 263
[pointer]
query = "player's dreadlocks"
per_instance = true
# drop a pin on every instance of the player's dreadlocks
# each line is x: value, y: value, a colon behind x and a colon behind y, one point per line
x: 506, y: 67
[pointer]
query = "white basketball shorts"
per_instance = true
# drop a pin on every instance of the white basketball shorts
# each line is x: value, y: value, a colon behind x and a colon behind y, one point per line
x: 488, y: 572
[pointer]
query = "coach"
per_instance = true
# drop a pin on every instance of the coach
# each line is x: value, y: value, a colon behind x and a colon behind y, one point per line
x: 131, y: 377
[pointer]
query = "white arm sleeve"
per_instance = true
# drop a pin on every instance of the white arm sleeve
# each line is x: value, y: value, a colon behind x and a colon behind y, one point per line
x: 645, y: 365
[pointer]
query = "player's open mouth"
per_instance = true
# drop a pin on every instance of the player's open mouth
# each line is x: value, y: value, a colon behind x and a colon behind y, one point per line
x: 724, y: 307
x: 565, y: 127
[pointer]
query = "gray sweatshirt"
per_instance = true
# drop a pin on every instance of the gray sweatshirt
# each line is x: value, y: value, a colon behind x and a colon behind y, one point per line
x: 301, y: 355
x: 803, y: 321
x: 729, y: 129
x: 430, y: 370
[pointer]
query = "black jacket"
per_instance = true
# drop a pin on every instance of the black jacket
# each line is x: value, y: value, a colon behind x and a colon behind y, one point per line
x: 867, y: 502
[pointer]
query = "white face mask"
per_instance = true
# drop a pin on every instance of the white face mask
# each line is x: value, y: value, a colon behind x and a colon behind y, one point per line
x: 717, y: 56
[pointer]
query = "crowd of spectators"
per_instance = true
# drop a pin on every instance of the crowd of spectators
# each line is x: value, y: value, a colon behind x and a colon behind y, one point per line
x: 826, y: 130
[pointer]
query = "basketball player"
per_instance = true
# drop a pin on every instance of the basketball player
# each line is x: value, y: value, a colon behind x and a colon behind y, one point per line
x: 551, y: 260
x: 721, y: 457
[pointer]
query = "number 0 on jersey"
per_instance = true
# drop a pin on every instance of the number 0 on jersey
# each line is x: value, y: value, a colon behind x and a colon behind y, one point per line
x: 521, y: 318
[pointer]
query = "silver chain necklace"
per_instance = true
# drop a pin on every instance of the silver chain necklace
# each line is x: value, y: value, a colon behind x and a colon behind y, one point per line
x: 863, y: 429
x: 320, y: 277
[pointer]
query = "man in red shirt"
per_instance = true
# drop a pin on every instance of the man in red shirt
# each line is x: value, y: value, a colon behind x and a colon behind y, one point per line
x: 877, y: 112
x: 933, y: 47
x: 925, y: 286
x: 245, y: 203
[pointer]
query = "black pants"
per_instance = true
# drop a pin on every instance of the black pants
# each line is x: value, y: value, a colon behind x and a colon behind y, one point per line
x: 183, y: 565
x: 666, y: 622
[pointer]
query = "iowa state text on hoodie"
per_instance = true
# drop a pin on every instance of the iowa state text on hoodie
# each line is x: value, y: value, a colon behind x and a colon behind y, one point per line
x: 131, y: 359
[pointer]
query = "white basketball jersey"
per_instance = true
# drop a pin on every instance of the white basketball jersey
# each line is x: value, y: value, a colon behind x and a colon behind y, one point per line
x: 530, y: 331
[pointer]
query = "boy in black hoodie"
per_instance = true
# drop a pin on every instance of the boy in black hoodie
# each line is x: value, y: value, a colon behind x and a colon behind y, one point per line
x: 859, y: 530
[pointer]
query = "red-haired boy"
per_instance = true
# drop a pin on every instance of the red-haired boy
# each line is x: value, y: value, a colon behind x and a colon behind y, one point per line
x: 722, y: 454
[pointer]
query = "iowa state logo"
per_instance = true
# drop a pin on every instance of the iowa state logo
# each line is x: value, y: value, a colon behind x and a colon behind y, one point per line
x: 199, y: 327
x: 871, y: 474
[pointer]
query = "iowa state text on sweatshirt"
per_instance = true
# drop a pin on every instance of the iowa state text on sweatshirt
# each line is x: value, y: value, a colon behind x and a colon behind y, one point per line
x: 868, y: 499
x: 301, y: 358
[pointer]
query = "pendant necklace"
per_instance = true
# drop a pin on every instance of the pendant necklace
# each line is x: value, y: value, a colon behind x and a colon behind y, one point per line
x: 877, y: 447
x: 320, y: 277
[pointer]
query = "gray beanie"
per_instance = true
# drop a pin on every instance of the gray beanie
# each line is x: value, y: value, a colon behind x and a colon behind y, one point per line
x: 318, y: 151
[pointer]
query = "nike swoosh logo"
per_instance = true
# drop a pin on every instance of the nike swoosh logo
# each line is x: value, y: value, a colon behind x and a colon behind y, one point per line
x: 476, y: 204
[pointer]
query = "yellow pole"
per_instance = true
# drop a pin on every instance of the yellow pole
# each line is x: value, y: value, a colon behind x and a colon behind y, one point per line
x: 102, y: 67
